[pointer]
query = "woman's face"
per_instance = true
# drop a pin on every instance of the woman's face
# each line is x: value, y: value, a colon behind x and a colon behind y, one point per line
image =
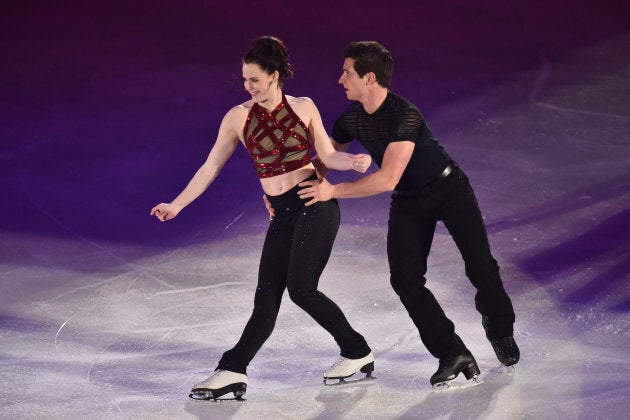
x: 258, y: 82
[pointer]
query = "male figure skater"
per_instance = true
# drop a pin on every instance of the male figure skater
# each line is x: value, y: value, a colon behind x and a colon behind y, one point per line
x: 427, y: 186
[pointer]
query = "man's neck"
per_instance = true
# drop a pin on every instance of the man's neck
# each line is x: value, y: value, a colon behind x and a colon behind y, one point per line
x: 374, y: 99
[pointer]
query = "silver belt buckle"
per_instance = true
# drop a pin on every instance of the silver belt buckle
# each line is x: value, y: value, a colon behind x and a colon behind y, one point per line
x: 446, y: 171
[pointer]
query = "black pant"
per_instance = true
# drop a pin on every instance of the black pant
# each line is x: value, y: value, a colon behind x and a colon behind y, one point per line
x: 297, y: 247
x: 412, y: 222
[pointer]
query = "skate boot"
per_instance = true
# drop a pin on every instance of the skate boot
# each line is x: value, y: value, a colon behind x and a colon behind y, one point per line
x: 219, y: 384
x: 344, y: 368
x: 450, y: 367
x: 506, y: 350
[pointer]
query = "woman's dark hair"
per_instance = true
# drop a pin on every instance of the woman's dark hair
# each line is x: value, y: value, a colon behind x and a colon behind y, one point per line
x: 370, y: 56
x: 271, y: 54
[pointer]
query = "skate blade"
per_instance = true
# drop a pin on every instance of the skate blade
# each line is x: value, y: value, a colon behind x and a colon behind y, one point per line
x: 505, y: 370
x: 347, y: 381
x: 207, y: 396
x: 451, y: 386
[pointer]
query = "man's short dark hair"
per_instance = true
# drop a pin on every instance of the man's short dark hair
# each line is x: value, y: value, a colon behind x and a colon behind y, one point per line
x: 370, y: 56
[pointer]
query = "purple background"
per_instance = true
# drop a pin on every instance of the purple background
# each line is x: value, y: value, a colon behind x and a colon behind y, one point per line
x: 108, y: 108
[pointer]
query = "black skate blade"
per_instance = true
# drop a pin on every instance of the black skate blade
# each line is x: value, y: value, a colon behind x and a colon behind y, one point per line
x: 454, y: 386
x: 204, y: 394
x: 346, y: 381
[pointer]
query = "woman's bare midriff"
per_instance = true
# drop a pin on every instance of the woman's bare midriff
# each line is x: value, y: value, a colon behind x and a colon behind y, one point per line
x: 280, y: 184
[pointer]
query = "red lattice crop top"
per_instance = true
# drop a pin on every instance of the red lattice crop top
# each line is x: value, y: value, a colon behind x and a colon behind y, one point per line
x: 277, y: 141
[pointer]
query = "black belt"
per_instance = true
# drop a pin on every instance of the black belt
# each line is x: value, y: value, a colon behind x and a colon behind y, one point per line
x: 447, y: 171
x: 429, y: 187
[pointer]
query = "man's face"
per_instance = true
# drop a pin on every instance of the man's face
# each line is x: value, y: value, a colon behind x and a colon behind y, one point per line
x: 354, y: 85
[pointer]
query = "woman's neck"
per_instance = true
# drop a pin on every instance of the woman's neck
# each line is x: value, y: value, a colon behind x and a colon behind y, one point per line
x: 272, y: 101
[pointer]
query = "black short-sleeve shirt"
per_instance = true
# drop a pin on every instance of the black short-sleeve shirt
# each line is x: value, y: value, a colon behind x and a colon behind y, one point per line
x: 397, y: 119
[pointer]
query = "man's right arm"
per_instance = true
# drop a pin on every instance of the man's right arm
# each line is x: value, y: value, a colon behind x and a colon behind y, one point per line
x: 395, y: 160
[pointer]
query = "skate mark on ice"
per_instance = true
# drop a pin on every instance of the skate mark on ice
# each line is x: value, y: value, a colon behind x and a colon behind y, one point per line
x: 543, y: 75
x: 151, y: 277
x: 234, y: 221
x: 60, y: 328
x: 121, y: 276
x: 177, y: 328
x: 163, y: 398
x: 86, y: 287
x: 581, y: 111
x: 63, y: 325
x: 68, y: 229
x: 99, y: 357
x: 406, y: 338
x: 156, y: 342
x: 198, y: 289
x: 340, y: 401
x: 167, y: 329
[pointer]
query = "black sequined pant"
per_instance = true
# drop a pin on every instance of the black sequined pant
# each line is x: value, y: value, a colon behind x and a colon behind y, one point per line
x: 412, y: 223
x: 297, y: 247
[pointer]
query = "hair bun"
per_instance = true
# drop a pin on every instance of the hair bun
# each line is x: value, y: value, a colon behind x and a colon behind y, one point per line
x: 271, y: 54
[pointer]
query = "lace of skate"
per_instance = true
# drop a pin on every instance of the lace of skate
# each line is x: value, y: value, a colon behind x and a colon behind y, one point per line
x: 216, y: 373
x: 336, y: 367
x: 341, y: 361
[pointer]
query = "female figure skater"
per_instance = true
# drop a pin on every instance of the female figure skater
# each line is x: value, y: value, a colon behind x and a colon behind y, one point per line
x: 279, y: 133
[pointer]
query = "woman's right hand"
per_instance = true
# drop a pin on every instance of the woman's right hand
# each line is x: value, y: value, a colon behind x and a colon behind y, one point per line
x: 360, y: 162
x: 164, y: 211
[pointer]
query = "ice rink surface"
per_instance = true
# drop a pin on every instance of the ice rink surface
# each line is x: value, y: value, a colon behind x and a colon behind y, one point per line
x: 107, y: 109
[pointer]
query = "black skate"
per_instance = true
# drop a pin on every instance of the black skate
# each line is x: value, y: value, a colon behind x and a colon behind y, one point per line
x: 506, y: 350
x: 450, y: 368
x: 219, y: 384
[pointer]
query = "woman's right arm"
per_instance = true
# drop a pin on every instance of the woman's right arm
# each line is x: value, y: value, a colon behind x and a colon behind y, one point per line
x: 329, y: 156
x: 226, y: 143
